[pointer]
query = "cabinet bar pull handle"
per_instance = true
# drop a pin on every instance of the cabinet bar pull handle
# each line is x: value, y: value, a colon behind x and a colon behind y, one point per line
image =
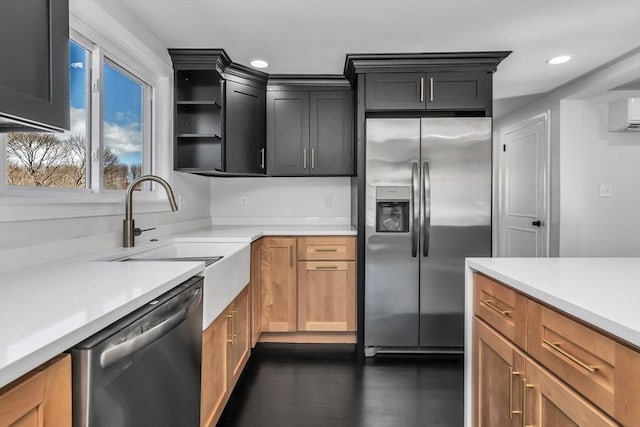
x: 304, y: 158
x: 431, y: 89
x: 525, y: 386
x: 230, y: 339
x: 556, y: 346
x: 291, y: 256
x: 512, y: 373
x: 422, y: 89
x: 489, y: 304
x: 326, y: 267
x: 262, y: 158
x: 327, y: 250
x: 313, y: 158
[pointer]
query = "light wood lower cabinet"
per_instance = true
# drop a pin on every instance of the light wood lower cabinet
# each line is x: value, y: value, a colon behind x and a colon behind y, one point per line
x: 499, y: 369
x: 512, y: 390
x: 278, y: 293
x: 551, y: 403
x: 41, y: 398
x: 307, y: 289
x: 562, y: 373
x: 226, y: 346
x: 327, y: 296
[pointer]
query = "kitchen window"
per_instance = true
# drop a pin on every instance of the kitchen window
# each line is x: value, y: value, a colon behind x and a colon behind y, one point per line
x: 109, y: 143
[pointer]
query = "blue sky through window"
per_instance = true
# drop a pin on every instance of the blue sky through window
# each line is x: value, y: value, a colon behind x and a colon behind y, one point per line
x: 122, y: 113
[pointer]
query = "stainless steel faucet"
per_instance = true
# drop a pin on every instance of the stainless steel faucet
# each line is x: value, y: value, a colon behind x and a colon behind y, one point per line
x: 129, y: 231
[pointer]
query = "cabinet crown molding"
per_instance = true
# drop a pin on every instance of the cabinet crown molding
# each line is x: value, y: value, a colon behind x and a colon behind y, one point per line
x: 357, y: 63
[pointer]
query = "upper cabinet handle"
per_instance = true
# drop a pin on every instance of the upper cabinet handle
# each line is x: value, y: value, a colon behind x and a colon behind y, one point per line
x: 313, y: 158
x: 262, y: 158
x: 422, y: 89
x: 304, y: 158
x: 431, y: 89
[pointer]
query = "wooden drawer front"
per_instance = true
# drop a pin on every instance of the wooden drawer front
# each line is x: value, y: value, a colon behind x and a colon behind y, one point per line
x: 501, y: 307
x: 327, y: 248
x: 580, y: 356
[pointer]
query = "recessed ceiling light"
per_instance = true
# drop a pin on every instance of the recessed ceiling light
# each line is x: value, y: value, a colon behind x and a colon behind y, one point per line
x: 259, y: 63
x: 559, y: 60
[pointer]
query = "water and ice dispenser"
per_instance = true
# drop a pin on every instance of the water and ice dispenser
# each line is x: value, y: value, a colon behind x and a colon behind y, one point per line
x: 392, y: 209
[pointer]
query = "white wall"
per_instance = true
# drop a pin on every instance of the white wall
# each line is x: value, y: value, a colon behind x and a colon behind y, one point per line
x: 591, y: 156
x: 281, y: 200
x: 564, y: 232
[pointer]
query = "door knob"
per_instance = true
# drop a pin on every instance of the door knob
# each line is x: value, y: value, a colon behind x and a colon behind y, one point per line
x: 536, y: 223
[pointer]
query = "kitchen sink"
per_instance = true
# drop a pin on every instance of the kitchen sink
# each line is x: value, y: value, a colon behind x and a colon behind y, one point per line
x: 226, y: 272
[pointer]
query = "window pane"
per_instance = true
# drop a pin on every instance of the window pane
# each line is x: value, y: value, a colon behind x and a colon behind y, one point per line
x: 122, y: 129
x: 56, y: 159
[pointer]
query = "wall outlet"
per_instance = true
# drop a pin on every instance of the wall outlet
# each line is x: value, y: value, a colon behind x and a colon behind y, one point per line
x: 605, y: 190
x: 182, y: 201
x: 244, y: 202
x: 327, y: 201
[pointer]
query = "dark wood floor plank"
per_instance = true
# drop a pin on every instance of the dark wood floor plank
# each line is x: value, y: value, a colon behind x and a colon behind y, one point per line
x: 326, y: 386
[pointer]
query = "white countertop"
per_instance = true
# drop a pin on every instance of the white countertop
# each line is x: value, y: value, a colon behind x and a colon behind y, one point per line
x: 250, y: 233
x: 604, y: 292
x: 45, y: 310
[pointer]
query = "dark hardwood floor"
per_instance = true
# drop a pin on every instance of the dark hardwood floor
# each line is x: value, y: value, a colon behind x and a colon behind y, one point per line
x: 324, y: 386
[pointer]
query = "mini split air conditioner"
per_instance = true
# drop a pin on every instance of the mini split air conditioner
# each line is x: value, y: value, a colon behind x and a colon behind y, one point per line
x: 624, y: 115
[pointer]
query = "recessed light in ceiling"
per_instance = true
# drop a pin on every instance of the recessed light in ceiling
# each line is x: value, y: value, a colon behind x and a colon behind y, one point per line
x: 259, y: 63
x: 559, y: 59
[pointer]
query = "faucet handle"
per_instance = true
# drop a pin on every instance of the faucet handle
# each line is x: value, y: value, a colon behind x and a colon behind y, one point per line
x: 138, y: 231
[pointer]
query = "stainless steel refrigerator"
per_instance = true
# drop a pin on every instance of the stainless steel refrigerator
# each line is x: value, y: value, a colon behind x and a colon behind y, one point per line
x: 428, y: 206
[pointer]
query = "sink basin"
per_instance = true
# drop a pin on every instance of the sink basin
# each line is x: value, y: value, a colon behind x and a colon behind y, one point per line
x: 226, y: 272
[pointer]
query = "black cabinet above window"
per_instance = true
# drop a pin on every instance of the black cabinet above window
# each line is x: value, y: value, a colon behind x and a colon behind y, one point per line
x: 34, y: 65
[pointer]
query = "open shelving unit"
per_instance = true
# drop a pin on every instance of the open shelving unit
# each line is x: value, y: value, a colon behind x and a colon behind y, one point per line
x: 198, y: 120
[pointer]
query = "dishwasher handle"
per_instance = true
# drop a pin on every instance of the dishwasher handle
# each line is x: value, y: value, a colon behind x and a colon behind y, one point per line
x: 113, y: 355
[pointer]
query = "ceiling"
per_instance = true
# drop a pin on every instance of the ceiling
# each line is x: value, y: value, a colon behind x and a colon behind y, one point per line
x: 313, y: 36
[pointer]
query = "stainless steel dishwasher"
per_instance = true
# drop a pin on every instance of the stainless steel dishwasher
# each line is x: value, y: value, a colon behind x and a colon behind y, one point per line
x: 143, y: 370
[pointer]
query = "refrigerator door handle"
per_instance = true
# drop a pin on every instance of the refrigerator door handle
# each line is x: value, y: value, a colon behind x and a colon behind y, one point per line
x: 426, y: 208
x: 415, y: 209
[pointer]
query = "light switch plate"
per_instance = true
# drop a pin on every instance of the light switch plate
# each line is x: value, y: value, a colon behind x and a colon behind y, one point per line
x: 606, y: 190
x: 244, y: 202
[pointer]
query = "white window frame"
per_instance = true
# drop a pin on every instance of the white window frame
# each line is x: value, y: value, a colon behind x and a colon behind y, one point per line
x: 18, y: 203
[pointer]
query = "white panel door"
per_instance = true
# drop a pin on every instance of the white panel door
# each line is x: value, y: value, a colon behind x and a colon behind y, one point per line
x: 523, y: 219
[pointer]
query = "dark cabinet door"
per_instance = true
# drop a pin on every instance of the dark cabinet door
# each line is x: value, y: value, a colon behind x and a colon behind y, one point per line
x: 34, y: 62
x: 458, y: 91
x: 288, y: 133
x: 244, y: 134
x: 331, y: 133
x: 395, y: 91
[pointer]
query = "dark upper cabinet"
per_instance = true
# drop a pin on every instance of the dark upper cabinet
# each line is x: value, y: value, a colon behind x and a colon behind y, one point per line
x: 34, y: 65
x: 331, y: 133
x: 219, y: 114
x: 455, y: 90
x: 288, y: 133
x: 245, y: 141
x: 310, y: 133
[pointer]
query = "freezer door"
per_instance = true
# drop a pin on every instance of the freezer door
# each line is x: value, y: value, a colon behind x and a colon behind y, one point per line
x: 391, y: 254
x: 455, y: 217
